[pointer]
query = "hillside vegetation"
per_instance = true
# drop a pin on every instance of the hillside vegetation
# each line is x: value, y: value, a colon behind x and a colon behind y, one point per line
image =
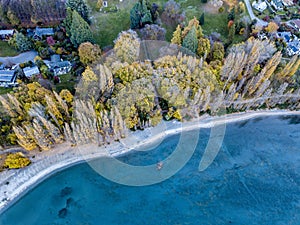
x: 31, y: 12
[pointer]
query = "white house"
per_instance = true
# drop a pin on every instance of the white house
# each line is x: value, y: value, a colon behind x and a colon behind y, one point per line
x: 6, y: 34
x: 8, y: 78
x: 260, y: 6
x: 277, y: 4
x: 58, y: 66
x: 31, y: 71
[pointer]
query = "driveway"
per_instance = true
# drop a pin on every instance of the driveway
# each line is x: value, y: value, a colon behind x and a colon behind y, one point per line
x: 22, y: 58
x: 252, y: 16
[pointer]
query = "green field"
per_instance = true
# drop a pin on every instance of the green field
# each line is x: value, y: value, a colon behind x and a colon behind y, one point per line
x: 6, y: 50
x: 107, y: 26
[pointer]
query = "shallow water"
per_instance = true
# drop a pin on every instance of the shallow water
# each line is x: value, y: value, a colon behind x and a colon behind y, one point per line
x: 255, y: 179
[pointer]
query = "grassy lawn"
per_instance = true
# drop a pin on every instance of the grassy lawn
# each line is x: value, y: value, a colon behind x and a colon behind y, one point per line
x: 5, y: 90
x: 216, y: 23
x: 6, y: 50
x: 67, y: 82
x: 107, y: 26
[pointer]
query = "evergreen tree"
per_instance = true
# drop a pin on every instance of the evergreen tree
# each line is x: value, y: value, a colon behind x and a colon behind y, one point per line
x: 201, y: 19
x: 22, y: 43
x: 231, y: 33
x: 190, y: 41
x: 81, y: 7
x: 140, y: 15
x: 176, y: 39
x: 231, y: 15
x: 193, y: 23
x: 68, y: 21
x: 80, y: 30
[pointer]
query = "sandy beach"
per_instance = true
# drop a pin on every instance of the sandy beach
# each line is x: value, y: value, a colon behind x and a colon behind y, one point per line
x: 15, y: 183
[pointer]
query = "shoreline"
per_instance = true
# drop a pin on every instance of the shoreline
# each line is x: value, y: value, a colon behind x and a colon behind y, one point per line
x: 63, y: 156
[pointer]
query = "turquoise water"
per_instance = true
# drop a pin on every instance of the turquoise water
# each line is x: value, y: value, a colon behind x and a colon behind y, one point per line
x: 255, y: 179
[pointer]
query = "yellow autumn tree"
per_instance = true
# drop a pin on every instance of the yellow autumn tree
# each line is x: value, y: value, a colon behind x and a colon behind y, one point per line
x: 176, y: 39
x: 89, y: 53
x: 272, y: 27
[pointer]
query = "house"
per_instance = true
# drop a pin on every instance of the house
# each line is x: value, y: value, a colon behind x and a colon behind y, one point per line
x: 8, y: 78
x: 31, y: 71
x: 288, y: 2
x: 39, y: 33
x: 286, y: 36
x: 58, y: 66
x: 6, y: 34
x: 295, y: 24
x: 277, y: 4
x: 260, y: 6
x: 293, y: 48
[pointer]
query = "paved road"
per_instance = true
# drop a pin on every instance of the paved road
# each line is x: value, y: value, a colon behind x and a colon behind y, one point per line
x: 23, y: 57
x: 252, y: 16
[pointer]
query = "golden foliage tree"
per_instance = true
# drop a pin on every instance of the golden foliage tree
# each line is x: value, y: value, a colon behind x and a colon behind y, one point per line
x: 89, y: 53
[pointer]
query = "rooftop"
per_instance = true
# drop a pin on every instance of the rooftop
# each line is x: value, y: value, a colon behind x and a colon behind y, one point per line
x: 296, y: 22
x: 30, y: 71
x: 7, y: 75
x: 7, y: 32
x: 55, y: 58
x: 43, y: 31
x: 60, y: 64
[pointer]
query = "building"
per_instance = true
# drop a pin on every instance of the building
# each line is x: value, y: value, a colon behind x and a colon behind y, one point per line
x: 31, y: 71
x: 293, y: 48
x: 288, y: 2
x: 58, y: 66
x: 8, y: 78
x: 6, y: 34
x: 286, y: 36
x: 295, y: 24
x: 260, y: 6
x: 277, y: 4
x: 39, y: 33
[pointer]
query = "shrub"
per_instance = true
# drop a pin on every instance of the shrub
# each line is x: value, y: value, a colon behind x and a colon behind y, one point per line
x: 153, y: 32
x: 221, y: 9
x: 16, y: 161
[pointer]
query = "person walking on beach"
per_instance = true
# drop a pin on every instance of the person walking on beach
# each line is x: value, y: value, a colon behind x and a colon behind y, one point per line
x: 159, y: 165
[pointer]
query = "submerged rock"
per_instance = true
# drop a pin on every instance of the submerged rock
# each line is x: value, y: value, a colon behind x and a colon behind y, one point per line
x: 62, y: 213
x: 66, y: 191
x: 69, y: 202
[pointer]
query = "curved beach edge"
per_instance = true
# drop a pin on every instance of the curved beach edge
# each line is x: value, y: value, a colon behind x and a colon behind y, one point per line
x: 16, y: 183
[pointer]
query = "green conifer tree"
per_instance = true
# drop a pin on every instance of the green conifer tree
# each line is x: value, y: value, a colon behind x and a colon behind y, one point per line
x: 68, y: 21
x: 81, y: 7
x: 22, y: 43
x: 80, y: 30
x: 190, y: 41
